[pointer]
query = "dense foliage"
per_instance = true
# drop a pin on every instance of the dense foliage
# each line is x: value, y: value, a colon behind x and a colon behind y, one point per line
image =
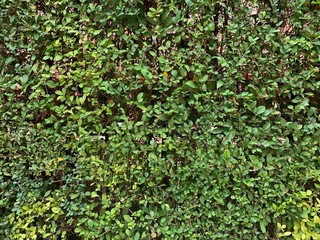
x: 138, y: 119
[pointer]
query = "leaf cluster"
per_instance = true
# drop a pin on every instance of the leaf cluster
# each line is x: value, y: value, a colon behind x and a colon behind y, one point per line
x: 159, y: 119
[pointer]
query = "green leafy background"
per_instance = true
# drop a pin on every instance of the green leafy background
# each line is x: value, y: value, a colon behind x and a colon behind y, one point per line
x: 181, y: 119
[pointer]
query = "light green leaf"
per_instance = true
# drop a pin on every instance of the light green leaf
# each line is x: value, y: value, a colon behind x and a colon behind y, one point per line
x: 96, y: 32
x: 260, y: 110
x: 137, y: 236
x: 90, y: 223
x: 58, y: 57
x: 56, y: 209
x: 78, y: 230
x: 94, y: 193
x: 140, y: 97
x: 127, y: 218
x: 191, y: 84
x: 219, y: 83
x: 163, y: 117
x: 263, y: 226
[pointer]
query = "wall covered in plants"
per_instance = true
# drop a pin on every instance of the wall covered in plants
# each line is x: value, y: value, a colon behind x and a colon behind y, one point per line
x: 138, y: 119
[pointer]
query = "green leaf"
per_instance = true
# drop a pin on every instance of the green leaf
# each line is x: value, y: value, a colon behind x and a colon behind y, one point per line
x: 56, y: 209
x: 163, y: 117
x: 253, y: 158
x: 219, y: 84
x: 51, y: 84
x: 128, y: 232
x: 286, y: 234
x: 140, y: 97
x: 96, y: 32
x: 58, y: 57
x: 260, y: 110
x: 25, y: 78
x: 137, y: 236
x: 78, y: 230
x: 263, y: 226
x: 191, y: 84
x: 146, y: 73
x: 94, y: 193
x: 204, y: 78
x: 90, y: 223
x: 127, y: 218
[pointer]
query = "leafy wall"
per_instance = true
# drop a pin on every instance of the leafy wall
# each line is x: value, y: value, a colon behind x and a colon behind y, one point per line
x: 167, y: 119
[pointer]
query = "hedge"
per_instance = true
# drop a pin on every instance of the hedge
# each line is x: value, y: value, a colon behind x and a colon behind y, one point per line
x: 166, y: 119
